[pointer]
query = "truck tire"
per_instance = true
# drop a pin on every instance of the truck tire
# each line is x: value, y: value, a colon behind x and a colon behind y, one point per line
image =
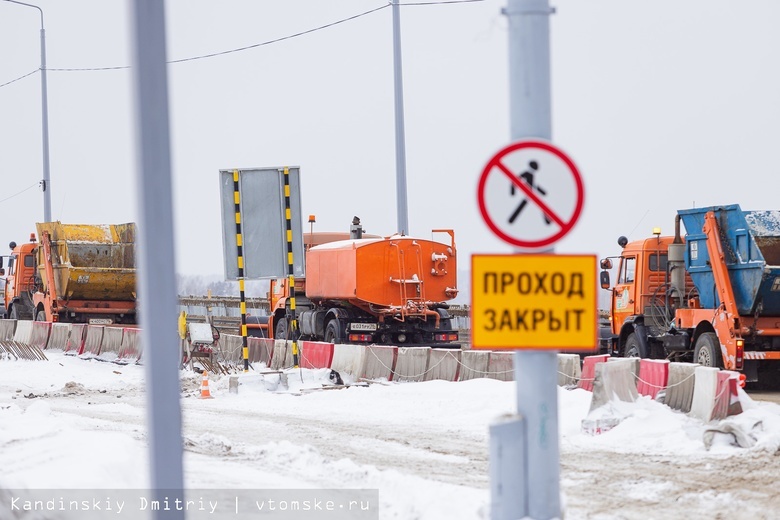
x: 707, y: 351
x: 40, y: 316
x: 280, y: 331
x: 14, y: 313
x: 633, y: 348
x: 333, y: 332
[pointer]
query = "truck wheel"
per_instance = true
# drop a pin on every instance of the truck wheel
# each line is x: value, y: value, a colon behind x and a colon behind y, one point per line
x: 281, y: 329
x: 14, y: 313
x: 40, y: 316
x: 707, y: 351
x: 633, y: 348
x: 333, y: 332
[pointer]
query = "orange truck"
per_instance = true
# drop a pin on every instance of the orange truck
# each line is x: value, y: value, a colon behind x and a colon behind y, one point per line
x: 92, y: 268
x: 369, y: 289
x: 711, y: 297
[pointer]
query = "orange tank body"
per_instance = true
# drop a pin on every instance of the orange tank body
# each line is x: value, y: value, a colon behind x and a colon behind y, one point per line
x: 385, y: 272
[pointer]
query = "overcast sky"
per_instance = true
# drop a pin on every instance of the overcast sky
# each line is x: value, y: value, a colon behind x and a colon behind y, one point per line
x: 661, y: 104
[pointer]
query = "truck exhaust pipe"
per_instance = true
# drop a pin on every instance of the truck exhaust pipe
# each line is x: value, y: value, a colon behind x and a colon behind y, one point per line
x: 676, y: 263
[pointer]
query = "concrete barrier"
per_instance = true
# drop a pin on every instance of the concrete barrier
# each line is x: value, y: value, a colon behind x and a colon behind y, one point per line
x: 260, y: 350
x: 614, y: 381
x: 443, y: 363
x: 411, y: 363
x: 266, y: 350
x: 289, y: 359
x: 473, y: 364
x: 111, y: 343
x: 349, y: 359
x: 39, y: 336
x: 501, y: 366
x: 569, y: 369
x: 58, y: 338
x: 131, y: 349
x: 279, y: 357
x: 23, y: 332
x: 653, y: 376
x: 380, y: 362
x: 680, y: 386
x: 7, y: 328
x: 589, y: 370
x: 316, y: 354
x: 705, y: 393
x: 232, y: 348
x: 92, y: 341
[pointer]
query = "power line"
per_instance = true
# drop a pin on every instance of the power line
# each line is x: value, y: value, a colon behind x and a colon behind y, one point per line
x: 17, y: 79
x: 239, y: 49
x: 16, y: 194
x: 253, y: 46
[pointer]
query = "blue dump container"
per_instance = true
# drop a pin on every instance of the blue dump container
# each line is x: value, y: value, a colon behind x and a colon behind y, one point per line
x: 751, y: 243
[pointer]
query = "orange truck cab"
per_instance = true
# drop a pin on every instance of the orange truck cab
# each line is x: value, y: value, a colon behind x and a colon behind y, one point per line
x: 20, y: 280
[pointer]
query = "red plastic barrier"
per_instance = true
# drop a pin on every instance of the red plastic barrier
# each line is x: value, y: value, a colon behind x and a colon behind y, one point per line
x: 735, y: 407
x: 75, y: 343
x: 726, y: 397
x: 589, y: 370
x: 92, y: 341
x: 40, y: 334
x: 316, y: 354
x: 130, y: 351
x: 653, y: 376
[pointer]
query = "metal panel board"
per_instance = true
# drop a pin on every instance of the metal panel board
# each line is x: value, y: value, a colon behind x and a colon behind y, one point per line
x: 261, y: 192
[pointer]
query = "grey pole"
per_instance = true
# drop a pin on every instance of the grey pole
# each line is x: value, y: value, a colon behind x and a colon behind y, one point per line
x: 529, y: 68
x: 400, y: 139
x: 535, y: 370
x: 45, y: 125
x: 46, y: 182
x: 157, y: 289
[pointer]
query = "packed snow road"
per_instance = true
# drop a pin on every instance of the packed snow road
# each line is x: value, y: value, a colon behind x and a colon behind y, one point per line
x: 423, y: 445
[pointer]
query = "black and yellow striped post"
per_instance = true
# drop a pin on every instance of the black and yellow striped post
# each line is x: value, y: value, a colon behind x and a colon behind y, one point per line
x: 293, y: 320
x: 240, y: 246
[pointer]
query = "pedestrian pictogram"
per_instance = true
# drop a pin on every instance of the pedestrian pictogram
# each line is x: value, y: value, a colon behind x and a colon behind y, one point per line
x: 530, y: 194
x: 528, y: 177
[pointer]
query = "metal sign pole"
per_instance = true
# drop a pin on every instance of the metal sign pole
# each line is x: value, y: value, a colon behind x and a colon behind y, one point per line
x: 535, y: 371
x: 156, y: 280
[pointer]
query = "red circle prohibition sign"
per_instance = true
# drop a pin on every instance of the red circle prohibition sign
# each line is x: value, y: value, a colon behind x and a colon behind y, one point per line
x: 497, y: 166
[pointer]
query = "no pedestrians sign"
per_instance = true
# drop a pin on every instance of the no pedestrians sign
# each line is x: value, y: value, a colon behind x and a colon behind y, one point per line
x: 530, y: 194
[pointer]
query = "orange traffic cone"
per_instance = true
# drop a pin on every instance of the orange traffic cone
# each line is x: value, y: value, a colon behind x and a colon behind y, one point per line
x: 204, y: 387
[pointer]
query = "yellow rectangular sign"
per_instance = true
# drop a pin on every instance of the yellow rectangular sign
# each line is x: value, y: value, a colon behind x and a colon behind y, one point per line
x: 533, y: 301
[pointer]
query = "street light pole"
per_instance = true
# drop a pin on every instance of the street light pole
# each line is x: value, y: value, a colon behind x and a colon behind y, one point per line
x: 400, y: 139
x: 46, y: 182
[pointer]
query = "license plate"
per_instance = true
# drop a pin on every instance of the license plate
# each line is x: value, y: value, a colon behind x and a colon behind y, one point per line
x: 100, y: 321
x: 363, y: 326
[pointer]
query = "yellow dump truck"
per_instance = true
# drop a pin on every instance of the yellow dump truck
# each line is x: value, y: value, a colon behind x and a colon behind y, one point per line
x: 92, y: 268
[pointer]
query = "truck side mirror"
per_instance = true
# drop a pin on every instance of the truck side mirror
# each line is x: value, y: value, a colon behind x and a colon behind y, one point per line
x: 604, y: 279
x: 606, y: 263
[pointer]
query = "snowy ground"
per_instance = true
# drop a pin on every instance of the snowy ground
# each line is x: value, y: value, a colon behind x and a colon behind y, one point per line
x: 72, y: 423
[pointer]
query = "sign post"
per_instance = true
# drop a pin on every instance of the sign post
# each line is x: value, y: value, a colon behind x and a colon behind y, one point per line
x: 530, y: 195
